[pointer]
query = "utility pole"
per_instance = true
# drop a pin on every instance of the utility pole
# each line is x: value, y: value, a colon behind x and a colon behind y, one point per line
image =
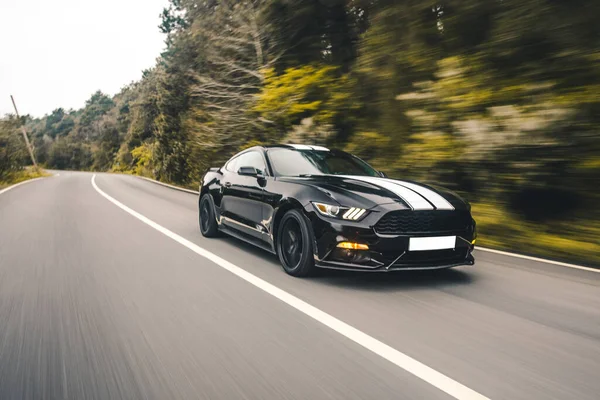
x: 24, y: 133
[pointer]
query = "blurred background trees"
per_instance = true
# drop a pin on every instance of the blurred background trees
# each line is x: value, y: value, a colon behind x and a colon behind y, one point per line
x: 12, y: 151
x: 498, y: 100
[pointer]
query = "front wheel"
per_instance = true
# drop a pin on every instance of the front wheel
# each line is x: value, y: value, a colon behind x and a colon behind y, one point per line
x: 294, y: 244
x: 206, y: 218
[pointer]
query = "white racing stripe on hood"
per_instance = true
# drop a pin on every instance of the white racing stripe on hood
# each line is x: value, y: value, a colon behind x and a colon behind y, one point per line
x: 438, y: 201
x: 414, y: 200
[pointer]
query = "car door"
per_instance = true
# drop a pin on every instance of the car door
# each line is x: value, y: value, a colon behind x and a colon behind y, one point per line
x: 241, y: 204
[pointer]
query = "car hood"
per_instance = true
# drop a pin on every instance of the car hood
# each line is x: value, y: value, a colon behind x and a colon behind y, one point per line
x: 369, y: 192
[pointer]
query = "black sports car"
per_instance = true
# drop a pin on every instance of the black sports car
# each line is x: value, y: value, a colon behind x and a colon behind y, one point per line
x: 316, y: 207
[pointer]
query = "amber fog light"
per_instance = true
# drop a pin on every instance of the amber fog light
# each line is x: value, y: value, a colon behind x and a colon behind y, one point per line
x: 352, y: 246
x: 350, y: 256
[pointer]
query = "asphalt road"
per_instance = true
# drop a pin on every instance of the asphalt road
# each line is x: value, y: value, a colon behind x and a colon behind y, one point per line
x: 96, y: 304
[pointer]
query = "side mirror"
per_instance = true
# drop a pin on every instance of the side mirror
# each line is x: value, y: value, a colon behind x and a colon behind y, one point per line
x: 248, y: 171
x: 383, y: 174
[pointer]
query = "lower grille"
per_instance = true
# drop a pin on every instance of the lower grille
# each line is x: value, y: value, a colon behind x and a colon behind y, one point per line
x: 431, y: 258
x: 409, y: 222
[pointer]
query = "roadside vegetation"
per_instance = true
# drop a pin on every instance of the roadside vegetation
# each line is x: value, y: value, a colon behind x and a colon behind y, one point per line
x: 23, y: 175
x: 13, y: 156
x: 497, y: 100
x: 569, y: 239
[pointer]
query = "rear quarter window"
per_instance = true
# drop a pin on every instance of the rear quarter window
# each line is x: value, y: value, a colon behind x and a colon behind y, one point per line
x: 232, y: 164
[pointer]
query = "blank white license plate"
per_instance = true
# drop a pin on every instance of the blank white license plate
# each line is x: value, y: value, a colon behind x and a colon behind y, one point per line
x: 431, y: 243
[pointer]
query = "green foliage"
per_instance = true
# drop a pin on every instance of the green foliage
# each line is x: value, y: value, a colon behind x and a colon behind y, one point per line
x: 564, y: 240
x: 21, y: 175
x: 171, y: 147
x: 311, y: 91
x: 377, y: 149
x: 173, y: 19
x: 107, y: 149
x: 315, y: 31
x: 59, y: 123
x: 68, y: 154
x: 143, y: 160
x: 97, y: 105
x: 13, y: 156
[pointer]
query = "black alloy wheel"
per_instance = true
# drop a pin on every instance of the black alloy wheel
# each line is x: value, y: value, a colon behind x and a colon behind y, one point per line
x: 208, y: 224
x: 294, y: 244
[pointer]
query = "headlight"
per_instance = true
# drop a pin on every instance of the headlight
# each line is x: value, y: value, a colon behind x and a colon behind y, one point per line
x: 327, y: 209
x: 354, y: 213
x: 347, y: 213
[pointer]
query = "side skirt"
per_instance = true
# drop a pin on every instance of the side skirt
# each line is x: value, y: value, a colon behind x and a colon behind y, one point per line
x: 246, y: 238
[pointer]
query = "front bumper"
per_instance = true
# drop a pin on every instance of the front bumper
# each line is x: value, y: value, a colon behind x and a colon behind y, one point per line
x: 386, y: 252
x: 400, y: 265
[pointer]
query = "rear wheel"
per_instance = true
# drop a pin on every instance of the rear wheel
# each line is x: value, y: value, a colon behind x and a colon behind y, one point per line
x: 294, y: 244
x: 206, y: 218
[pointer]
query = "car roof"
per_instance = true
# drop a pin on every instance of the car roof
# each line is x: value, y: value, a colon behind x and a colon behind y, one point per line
x: 285, y: 146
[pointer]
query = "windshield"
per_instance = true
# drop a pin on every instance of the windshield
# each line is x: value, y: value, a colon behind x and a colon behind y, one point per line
x: 293, y: 162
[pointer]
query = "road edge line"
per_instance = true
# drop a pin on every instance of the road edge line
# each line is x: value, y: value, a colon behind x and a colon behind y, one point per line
x: 6, y: 189
x: 544, y: 260
x: 401, y: 360
x: 167, y: 185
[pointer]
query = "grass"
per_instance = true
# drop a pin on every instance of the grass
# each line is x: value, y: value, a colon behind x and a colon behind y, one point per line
x: 23, y: 175
x: 574, y: 240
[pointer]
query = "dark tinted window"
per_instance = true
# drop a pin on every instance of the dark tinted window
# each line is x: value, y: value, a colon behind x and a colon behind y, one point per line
x: 250, y: 159
x: 292, y: 162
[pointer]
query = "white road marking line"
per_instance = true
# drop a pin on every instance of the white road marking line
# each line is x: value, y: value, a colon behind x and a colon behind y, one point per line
x: 18, y: 184
x: 543, y: 260
x: 409, y: 364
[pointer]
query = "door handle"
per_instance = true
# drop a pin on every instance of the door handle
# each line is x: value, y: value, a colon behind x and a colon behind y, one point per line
x: 227, y: 184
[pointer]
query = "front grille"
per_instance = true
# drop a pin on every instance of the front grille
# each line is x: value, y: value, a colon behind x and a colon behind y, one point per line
x: 435, y: 221
x: 431, y: 258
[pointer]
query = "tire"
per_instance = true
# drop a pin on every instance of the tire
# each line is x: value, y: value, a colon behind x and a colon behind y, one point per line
x: 295, y: 244
x: 206, y: 217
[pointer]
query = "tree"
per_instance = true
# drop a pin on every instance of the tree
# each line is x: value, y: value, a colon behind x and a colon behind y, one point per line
x: 107, y: 149
x: 95, y: 107
x: 13, y: 155
x: 315, y: 94
x: 233, y: 52
x: 173, y: 20
x: 316, y: 31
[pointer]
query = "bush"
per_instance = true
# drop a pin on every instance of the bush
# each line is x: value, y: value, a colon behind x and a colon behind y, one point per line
x: 13, y: 155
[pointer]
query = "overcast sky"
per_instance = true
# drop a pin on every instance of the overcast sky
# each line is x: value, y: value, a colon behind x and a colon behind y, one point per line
x: 56, y: 53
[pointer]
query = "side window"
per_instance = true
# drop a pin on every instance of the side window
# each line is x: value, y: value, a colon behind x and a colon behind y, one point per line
x: 250, y: 159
